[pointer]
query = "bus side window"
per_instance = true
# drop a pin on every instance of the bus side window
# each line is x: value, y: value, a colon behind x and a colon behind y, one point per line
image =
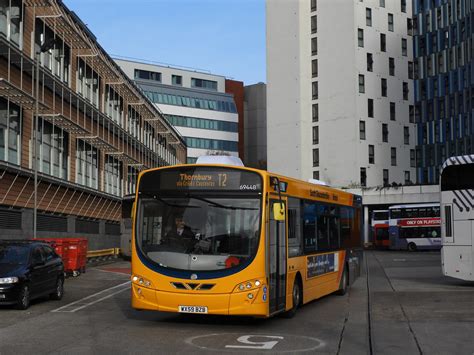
x: 294, y: 228
x: 334, y: 228
x: 309, y: 227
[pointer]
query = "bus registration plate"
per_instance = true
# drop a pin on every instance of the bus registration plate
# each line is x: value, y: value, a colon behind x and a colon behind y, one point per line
x: 192, y: 309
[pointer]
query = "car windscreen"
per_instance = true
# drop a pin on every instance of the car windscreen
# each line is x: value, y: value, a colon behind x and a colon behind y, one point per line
x: 14, y: 254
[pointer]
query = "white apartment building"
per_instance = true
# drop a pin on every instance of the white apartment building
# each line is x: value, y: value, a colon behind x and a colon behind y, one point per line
x: 340, y: 91
x: 195, y: 103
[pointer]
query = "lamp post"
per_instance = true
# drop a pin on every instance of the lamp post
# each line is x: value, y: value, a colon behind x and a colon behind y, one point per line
x: 46, y: 46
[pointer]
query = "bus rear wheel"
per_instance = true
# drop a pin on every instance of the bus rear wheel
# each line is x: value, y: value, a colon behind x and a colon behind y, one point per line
x: 411, y: 246
x: 343, y: 285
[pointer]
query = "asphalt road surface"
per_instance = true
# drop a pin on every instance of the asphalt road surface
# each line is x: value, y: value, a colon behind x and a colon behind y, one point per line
x: 401, y: 305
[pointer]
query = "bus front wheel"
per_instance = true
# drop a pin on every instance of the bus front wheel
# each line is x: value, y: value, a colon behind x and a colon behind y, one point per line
x: 297, y: 299
x: 411, y: 246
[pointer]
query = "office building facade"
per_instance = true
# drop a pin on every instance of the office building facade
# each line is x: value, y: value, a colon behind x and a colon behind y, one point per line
x: 340, y: 91
x: 94, y: 129
x: 255, y: 126
x: 444, y: 94
x: 195, y: 103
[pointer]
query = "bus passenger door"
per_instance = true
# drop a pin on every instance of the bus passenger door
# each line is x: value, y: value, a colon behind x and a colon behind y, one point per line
x: 277, y: 260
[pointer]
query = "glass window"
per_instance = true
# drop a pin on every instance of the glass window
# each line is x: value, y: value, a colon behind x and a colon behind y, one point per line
x: 15, y: 14
x: 295, y: 235
x: 315, y: 113
x: 361, y: 84
x: 403, y: 5
x: 390, y: 22
x: 204, y: 84
x: 384, y: 132
x: 87, y: 164
x: 385, y: 177
x: 368, y: 16
x: 370, y: 108
x: 314, y: 46
x: 314, y: 67
x: 52, y: 149
x: 391, y: 66
x: 315, y: 90
x: 314, y: 24
x: 316, y: 135
x: 362, y: 130
x: 383, y: 46
x: 363, y: 177
x: 309, y: 227
x: 88, y: 83
x: 10, y: 132
x: 360, y: 37
x: 370, y: 62
x: 383, y: 86
x: 405, y: 91
x: 371, y: 154
x: 113, y: 176
x: 404, y: 47
x: 392, y: 111
x: 315, y: 157
x: 177, y: 80
x: 393, y: 156
x: 406, y: 135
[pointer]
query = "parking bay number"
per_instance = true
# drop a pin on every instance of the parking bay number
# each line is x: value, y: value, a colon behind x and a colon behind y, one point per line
x: 260, y: 345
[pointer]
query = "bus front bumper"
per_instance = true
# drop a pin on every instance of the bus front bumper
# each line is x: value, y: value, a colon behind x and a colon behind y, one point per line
x: 237, y: 303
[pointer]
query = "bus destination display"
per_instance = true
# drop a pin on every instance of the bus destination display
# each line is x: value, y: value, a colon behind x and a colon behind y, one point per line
x: 205, y: 179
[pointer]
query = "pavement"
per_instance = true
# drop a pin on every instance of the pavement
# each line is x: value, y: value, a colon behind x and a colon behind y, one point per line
x: 400, y: 305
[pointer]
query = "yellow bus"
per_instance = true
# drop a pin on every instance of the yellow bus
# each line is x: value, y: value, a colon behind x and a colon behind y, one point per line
x: 231, y: 240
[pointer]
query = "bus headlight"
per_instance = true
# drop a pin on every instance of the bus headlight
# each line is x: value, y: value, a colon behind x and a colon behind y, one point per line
x: 139, y: 280
x: 248, y: 285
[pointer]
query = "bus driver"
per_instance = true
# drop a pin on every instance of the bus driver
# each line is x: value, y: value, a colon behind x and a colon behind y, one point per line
x: 181, y: 238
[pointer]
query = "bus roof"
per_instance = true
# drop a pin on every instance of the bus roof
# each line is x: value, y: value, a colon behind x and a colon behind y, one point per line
x: 416, y: 205
x: 458, y: 160
x: 347, y: 198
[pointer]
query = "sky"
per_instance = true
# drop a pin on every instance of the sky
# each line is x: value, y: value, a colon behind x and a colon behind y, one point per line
x: 224, y: 37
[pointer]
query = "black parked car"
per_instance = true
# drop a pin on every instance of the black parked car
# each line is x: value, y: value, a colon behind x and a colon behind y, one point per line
x: 29, y: 270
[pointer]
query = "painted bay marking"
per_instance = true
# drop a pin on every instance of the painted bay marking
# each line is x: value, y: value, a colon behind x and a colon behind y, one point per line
x: 276, y: 344
x: 93, y: 299
x: 262, y: 345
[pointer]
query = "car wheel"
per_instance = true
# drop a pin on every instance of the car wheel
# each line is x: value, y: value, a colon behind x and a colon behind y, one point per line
x: 412, y: 247
x: 343, y: 285
x: 297, y: 298
x: 59, y: 290
x: 24, y: 298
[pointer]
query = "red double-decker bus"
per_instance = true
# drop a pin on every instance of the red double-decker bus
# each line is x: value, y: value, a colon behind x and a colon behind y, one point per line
x: 413, y: 227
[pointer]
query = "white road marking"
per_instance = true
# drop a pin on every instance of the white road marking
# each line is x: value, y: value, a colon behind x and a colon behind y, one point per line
x: 69, y: 308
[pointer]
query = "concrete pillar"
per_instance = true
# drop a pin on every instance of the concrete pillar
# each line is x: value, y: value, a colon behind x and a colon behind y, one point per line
x: 71, y: 225
x: 366, y: 225
x: 27, y: 223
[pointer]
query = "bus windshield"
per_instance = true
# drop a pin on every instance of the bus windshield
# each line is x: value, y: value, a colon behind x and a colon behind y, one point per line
x: 191, y: 229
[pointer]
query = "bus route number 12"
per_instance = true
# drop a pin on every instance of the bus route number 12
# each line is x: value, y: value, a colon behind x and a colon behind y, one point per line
x: 222, y: 180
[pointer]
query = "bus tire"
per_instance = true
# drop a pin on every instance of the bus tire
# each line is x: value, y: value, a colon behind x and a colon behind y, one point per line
x: 297, y: 298
x: 343, y: 283
x: 411, y: 246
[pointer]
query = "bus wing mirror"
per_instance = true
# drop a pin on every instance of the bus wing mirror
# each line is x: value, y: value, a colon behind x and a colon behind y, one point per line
x: 278, y: 211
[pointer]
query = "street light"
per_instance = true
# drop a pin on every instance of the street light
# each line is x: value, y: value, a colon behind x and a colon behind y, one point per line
x: 46, y: 46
